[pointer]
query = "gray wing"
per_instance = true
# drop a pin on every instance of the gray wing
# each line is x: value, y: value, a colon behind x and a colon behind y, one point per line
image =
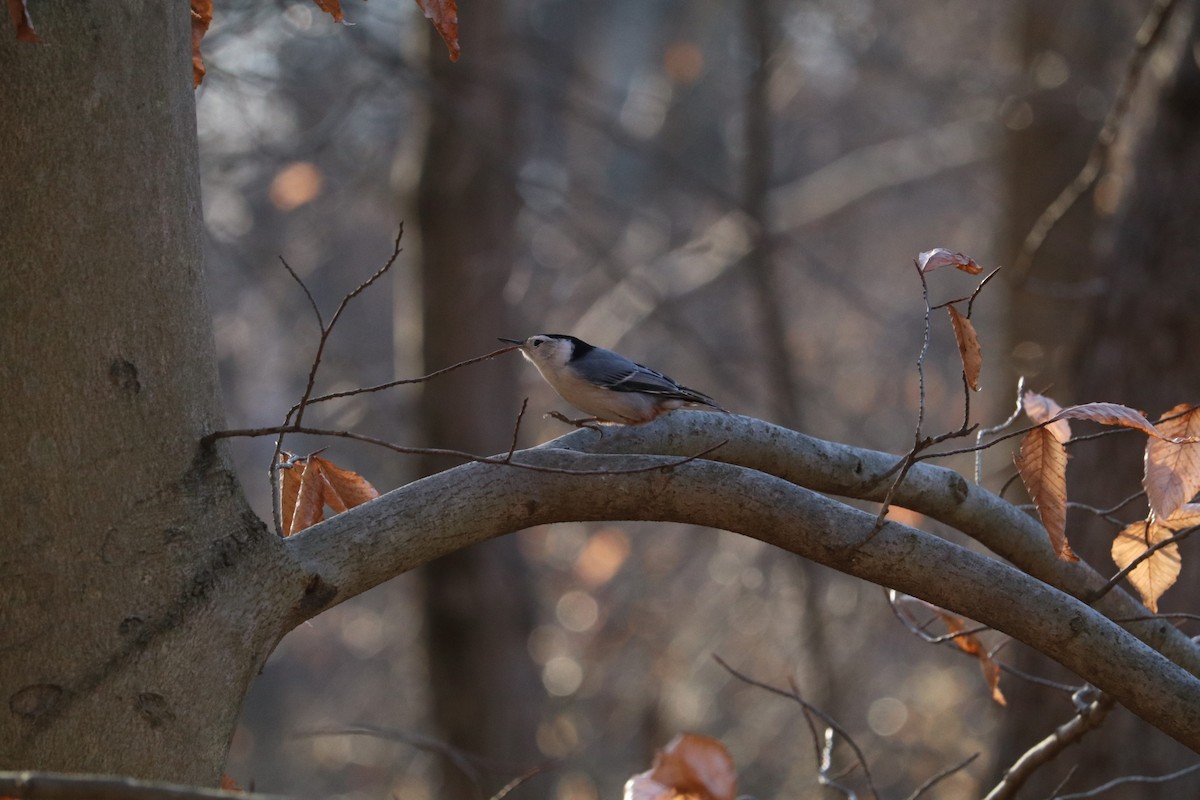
x: 616, y: 372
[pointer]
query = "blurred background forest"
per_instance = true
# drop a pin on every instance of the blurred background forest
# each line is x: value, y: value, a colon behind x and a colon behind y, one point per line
x: 729, y: 191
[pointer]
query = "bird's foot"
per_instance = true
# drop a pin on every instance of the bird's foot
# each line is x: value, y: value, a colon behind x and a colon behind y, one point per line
x: 584, y: 422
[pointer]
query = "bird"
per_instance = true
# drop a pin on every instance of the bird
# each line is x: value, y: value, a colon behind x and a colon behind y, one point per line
x: 606, y: 385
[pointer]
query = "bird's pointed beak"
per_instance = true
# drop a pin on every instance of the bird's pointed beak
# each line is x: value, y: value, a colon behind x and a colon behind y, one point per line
x: 511, y: 341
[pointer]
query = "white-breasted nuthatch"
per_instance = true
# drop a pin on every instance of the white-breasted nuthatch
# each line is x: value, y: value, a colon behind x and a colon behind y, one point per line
x: 605, y: 384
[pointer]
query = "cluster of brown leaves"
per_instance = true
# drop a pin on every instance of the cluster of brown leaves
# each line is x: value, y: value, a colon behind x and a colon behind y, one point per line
x: 1171, y: 480
x: 690, y: 766
x: 309, y: 483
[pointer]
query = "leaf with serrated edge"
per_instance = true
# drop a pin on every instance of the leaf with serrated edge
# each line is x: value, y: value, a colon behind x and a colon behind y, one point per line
x: 1157, y: 573
x: 968, y: 346
x: 1042, y: 463
x: 1114, y: 414
x: 1172, y: 473
x: 969, y: 643
x: 1040, y: 408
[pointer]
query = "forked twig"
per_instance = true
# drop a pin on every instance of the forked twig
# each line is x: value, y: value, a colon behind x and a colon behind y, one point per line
x: 809, y: 708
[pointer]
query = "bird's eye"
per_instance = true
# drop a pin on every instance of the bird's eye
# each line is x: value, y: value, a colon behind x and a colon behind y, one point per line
x: 538, y: 342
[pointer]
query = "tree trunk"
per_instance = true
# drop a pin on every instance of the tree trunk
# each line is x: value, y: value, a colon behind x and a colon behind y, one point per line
x: 118, y: 531
x: 478, y: 603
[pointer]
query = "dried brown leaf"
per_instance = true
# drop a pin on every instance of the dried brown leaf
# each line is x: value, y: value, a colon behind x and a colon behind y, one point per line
x: 1159, y: 571
x: 22, y: 22
x: 290, y: 471
x: 1040, y: 408
x: 1172, y: 475
x: 333, y: 8
x: 310, y: 500
x: 202, y: 12
x: 969, y: 643
x: 1042, y: 463
x: 689, y: 766
x: 344, y: 488
x: 940, y: 257
x: 444, y: 16
x: 968, y: 346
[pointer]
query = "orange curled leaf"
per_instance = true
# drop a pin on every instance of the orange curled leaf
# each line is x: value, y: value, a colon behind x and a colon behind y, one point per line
x: 310, y: 483
x: 940, y: 257
x: 1172, y: 475
x: 968, y: 346
x: 333, y: 8
x: 969, y: 643
x: 1042, y: 463
x: 22, y: 21
x: 444, y: 16
x: 691, y: 766
x: 1159, y: 571
x: 202, y: 12
x: 1040, y: 408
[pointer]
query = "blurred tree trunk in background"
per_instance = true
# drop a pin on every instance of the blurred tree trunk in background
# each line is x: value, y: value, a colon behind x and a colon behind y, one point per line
x: 479, y: 611
x: 1132, y: 341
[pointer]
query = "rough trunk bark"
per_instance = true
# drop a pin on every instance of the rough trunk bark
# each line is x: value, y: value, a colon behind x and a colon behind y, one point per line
x: 118, y: 531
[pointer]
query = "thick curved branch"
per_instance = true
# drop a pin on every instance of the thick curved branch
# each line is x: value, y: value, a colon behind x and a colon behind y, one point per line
x: 467, y: 505
x: 939, y: 493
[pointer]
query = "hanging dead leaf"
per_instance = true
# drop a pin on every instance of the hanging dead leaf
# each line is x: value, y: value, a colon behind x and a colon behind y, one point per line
x: 968, y: 346
x: 940, y: 257
x: 202, y: 12
x: 1172, y: 475
x: 1042, y: 463
x: 333, y: 8
x: 344, y: 488
x: 1040, y: 408
x: 970, y: 643
x: 1159, y: 571
x: 689, y: 766
x: 22, y: 22
x: 444, y: 16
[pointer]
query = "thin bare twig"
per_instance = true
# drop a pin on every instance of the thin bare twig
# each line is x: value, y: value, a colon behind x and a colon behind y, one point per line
x: 1148, y: 35
x: 795, y: 697
x: 441, y: 451
x: 1114, y: 783
x: 512, y: 447
x: 940, y: 776
x: 1086, y: 719
x: 979, y: 434
x: 298, y: 409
